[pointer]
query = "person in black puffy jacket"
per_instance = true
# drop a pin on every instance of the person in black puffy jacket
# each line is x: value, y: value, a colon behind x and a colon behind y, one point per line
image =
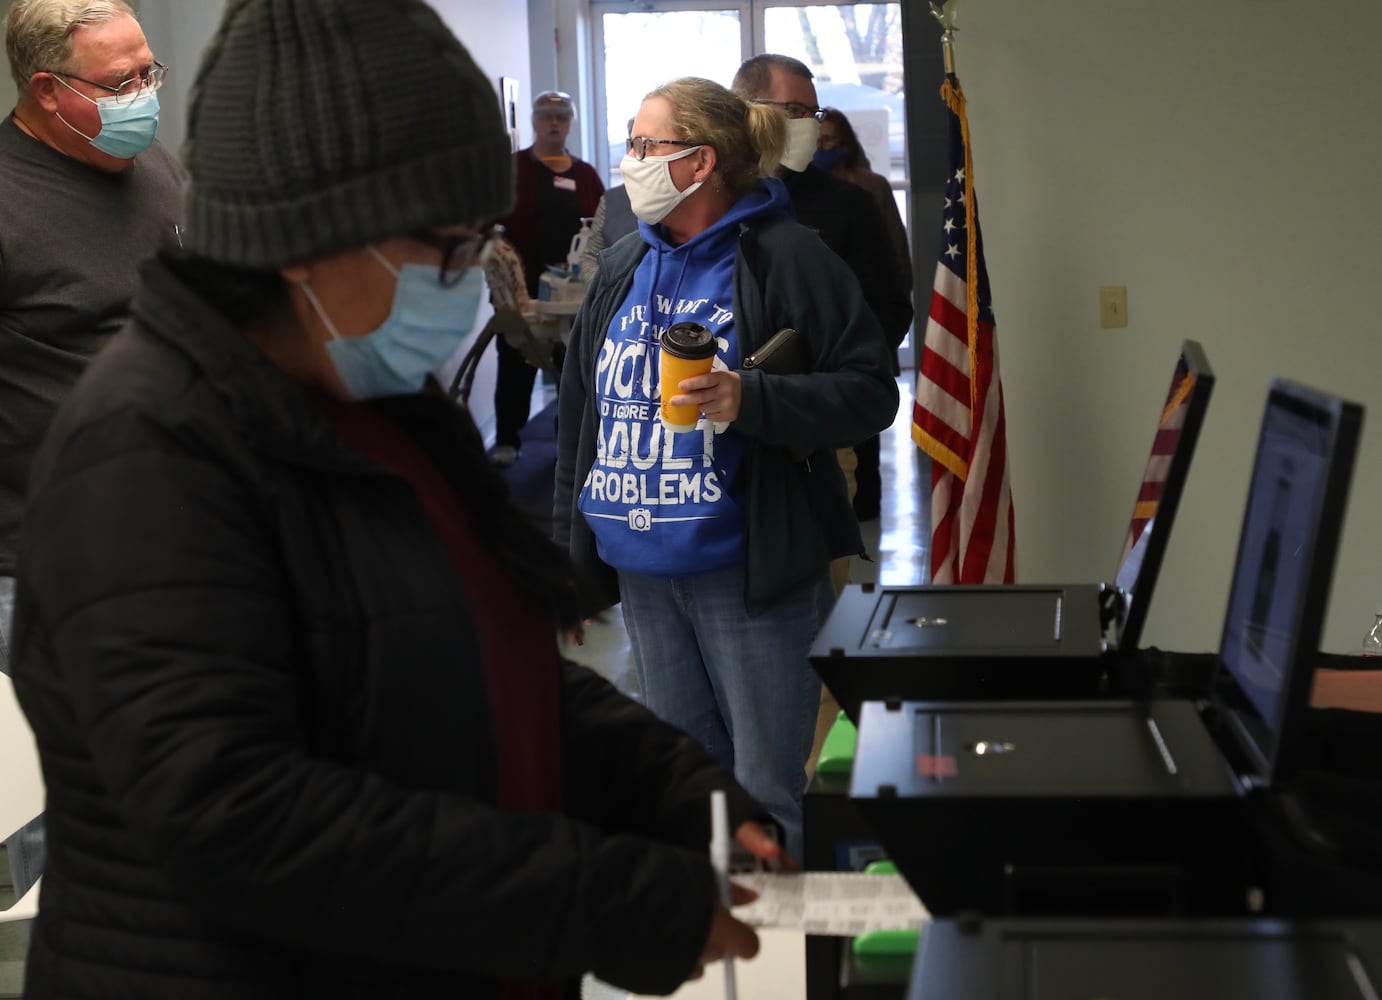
x: 288, y: 650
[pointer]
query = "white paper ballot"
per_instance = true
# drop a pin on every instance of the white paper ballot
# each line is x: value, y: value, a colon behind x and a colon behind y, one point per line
x: 846, y: 904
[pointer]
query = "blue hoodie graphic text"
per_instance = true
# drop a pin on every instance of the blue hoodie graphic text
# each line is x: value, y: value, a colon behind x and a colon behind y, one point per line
x: 658, y: 502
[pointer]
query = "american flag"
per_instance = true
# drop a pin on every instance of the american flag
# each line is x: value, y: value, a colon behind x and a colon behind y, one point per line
x: 958, y: 417
x: 1159, y: 462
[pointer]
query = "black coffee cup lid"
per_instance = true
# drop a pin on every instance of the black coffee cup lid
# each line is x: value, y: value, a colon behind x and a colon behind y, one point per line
x: 688, y: 340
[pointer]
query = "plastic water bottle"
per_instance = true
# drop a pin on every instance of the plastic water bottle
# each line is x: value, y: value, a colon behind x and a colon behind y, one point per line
x: 1372, y: 643
x: 573, y: 255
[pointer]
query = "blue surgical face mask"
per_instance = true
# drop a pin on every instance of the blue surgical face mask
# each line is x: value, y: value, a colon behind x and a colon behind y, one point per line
x: 427, y: 324
x: 828, y: 159
x: 126, y: 129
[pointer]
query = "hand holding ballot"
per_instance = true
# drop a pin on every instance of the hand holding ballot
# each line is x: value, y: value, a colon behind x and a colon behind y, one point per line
x: 831, y: 903
x: 730, y: 937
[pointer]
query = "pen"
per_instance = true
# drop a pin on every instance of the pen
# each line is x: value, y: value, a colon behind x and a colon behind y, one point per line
x: 719, y: 857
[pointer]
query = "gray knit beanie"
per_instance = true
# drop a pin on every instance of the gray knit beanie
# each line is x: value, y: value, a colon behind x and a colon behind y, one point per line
x: 316, y: 126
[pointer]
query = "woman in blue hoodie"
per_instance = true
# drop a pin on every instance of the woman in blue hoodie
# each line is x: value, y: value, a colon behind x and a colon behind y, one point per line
x: 719, y: 541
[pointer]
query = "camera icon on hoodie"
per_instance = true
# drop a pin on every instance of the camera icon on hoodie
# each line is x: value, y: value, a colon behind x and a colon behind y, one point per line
x: 641, y: 519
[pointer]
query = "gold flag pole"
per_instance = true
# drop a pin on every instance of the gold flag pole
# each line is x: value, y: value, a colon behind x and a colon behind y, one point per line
x: 945, y: 14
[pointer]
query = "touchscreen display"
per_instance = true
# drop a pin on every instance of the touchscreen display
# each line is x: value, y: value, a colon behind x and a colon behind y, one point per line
x: 1276, y: 552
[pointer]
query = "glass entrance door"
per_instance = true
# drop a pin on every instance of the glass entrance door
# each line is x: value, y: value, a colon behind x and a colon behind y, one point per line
x: 641, y: 45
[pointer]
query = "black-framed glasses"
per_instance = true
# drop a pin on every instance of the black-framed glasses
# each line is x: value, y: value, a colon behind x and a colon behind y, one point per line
x: 126, y: 91
x: 793, y: 108
x: 638, y: 144
x: 457, y: 252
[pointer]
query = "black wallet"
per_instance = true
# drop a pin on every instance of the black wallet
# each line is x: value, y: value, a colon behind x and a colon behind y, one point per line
x: 784, y: 354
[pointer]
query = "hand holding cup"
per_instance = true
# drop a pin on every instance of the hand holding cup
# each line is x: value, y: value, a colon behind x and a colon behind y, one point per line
x: 688, y: 350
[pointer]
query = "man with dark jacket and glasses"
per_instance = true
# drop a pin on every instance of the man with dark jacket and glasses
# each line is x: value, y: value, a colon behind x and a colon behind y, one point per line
x: 845, y: 217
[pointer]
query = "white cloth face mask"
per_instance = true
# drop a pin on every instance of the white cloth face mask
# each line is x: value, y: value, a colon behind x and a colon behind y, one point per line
x: 802, y: 134
x: 652, y: 192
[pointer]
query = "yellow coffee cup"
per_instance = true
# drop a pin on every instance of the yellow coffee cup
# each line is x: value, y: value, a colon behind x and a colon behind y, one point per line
x: 687, y: 349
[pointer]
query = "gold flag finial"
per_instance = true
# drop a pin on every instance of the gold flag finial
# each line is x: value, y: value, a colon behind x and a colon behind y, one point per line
x: 945, y: 14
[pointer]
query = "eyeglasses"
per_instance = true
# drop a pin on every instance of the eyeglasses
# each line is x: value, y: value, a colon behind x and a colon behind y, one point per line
x: 148, y: 81
x: 793, y: 109
x: 638, y: 144
x: 458, y: 252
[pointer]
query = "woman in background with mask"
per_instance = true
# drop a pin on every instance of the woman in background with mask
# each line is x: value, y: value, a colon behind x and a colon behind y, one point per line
x: 720, y: 538
x: 288, y: 650
x: 838, y: 152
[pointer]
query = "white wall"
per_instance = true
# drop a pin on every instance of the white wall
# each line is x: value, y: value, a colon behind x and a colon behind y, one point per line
x: 1221, y: 163
x: 558, y: 33
x: 496, y: 34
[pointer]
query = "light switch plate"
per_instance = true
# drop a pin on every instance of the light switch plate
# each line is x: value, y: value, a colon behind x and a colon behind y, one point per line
x: 1113, y: 306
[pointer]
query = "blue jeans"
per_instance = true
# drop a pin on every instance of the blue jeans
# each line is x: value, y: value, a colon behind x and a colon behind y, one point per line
x: 742, y: 686
x: 25, y: 847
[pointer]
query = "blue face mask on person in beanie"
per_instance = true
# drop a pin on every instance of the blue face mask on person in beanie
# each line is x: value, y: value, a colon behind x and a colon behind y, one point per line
x: 127, y: 129
x: 428, y: 322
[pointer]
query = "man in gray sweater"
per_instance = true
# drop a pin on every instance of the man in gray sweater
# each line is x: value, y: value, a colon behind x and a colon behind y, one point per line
x: 88, y: 195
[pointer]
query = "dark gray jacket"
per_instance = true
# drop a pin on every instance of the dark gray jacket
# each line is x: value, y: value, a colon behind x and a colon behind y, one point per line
x: 798, y: 515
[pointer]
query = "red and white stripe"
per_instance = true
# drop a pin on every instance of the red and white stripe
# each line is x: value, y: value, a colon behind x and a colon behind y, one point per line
x: 971, y: 497
x: 1159, y: 462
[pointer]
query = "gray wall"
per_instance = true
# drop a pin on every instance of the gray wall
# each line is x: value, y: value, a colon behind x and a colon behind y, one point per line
x: 1222, y: 166
x: 177, y: 31
x: 7, y: 92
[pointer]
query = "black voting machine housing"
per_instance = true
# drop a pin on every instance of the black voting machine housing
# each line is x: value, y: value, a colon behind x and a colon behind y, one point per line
x: 1050, y: 801
x: 1149, y: 960
x: 1255, y: 719
x: 857, y: 667
x: 1025, y: 641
